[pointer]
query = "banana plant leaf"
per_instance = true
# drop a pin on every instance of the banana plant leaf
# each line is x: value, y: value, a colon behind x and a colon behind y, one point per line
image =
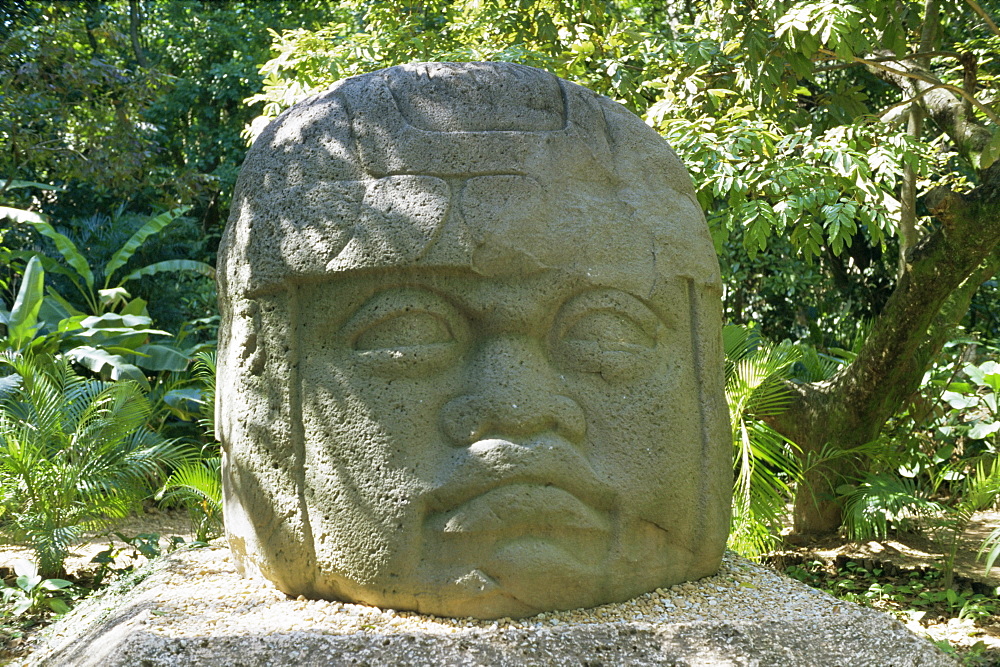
x: 185, y: 403
x: 152, y: 226
x: 120, y: 322
x: 102, y: 362
x: 50, y: 265
x: 172, y: 265
x: 14, y: 185
x: 22, y: 321
x: 66, y: 248
x: 160, y: 358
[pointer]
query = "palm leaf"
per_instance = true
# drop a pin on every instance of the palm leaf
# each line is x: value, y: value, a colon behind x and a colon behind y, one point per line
x: 74, y: 453
x: 764, y: 464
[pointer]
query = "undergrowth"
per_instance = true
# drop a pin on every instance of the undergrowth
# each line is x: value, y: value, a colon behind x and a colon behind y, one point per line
x: 915, y: 596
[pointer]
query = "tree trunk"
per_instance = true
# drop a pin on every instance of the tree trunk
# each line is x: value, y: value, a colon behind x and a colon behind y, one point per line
x: 938, y: 277
x: 938, y: 281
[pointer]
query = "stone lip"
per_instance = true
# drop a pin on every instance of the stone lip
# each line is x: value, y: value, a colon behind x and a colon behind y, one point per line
x: 519, y: 508
x: 190, y: 608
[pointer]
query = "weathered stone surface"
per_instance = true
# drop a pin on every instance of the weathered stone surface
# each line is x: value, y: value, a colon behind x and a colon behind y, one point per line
x: 470, y: 356
x: 193, y: 610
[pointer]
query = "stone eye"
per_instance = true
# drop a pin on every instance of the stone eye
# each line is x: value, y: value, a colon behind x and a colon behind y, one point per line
x: 611, y: 329
x: 405, y: 329
x: 606, y: 332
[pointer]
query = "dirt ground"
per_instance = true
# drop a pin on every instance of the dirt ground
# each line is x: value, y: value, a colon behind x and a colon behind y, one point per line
x: 919, y: 551
x: 166, y: 524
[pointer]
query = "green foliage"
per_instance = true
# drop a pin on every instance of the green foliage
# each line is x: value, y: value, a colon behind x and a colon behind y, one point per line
x: 764, y: 462
x: 112, y: 339
x: 940, y: 462
x: 31, y: 592
x: 907, y: 595
x: 70, y: 108
x: 112, y: 294
x: 75, y: 454
x: 142, y: 546
x: 976, y: 402
x: 110, y: 344
x: 881, y: 499
x: 21, y: 321
x: 198, y: 484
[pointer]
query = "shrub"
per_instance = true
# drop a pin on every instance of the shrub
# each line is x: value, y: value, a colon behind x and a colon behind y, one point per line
x: 75, y: 454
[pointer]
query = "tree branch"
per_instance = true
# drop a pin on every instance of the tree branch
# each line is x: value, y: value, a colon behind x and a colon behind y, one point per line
x: 919, y: 76
x: 885, y: 59
x: 134, y: 20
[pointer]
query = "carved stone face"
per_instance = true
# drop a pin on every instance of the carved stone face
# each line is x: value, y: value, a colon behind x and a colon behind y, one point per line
x: 483, y: 394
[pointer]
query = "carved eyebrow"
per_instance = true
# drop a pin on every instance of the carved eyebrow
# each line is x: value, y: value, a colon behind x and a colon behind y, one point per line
x: 608, y: 300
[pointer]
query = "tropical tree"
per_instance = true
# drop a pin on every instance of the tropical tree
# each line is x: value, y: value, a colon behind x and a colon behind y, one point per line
x: 935, y: 65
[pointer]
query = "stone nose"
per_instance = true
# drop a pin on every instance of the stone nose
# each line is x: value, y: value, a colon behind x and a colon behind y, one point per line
x: 511, y: 393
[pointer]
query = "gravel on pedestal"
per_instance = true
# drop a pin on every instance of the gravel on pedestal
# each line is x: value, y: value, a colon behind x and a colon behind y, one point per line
x: 191, y: 608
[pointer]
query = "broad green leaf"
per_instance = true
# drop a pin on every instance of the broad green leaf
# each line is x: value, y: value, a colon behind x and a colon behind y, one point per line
x: 161, y: 358
x: 65, y: 247
x: 102, y: 362
x: 185, y: 403
x: 23, y: 320
x: 58, y: 605
x: 116, y: 321
x: 171, y: 265
x: 958, y: 401
x: 987, y: 374
x: 24, y: 567
x: 14, y: 185
x: 152, y: 226
x: 53, y: 312
x: 27, y: 582
x: 135, y: 307
x: 983, y: 430
x: 50, y: 265
x: 189, y: 398
x: 991, y: 152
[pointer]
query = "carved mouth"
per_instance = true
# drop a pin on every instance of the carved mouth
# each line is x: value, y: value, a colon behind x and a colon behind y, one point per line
x: 519, y: 509
x: 497, y: 462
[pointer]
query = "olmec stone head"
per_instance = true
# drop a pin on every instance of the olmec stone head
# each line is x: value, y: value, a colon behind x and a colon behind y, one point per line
x: 470, y: 358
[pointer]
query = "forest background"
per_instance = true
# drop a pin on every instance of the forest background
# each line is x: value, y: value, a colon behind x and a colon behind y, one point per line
x: 845, y: 154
